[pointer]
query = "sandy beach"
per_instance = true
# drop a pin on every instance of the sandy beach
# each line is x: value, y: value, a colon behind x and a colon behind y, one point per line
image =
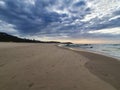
x: 29, y: 66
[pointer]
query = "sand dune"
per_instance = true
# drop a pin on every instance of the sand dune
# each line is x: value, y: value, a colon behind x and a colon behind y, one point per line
x: 48, y: 67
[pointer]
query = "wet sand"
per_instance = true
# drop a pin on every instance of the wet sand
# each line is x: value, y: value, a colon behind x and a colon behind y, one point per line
x: 106, y: 68
x: 26, y: 66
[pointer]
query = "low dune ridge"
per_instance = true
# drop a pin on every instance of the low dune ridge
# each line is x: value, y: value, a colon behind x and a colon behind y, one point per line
x: 32, y: 66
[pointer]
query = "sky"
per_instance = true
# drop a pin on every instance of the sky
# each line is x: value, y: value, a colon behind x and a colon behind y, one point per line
x: 78, y: 21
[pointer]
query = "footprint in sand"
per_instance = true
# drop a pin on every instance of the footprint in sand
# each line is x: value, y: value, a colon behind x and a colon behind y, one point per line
x: 30, y: 85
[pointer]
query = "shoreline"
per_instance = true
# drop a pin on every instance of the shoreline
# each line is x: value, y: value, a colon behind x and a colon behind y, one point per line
x: 91, y: 51
x: 104, y: 67
x: 49, y: 67
x: 107, y: 65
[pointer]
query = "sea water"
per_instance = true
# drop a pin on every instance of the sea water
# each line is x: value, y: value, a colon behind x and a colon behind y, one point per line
x: 112, y: 50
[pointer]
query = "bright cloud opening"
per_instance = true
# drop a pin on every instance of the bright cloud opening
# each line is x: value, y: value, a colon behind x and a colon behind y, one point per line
x: 113, y: 31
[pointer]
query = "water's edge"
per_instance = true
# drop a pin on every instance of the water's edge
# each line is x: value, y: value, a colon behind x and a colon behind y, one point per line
x: 91, y: 51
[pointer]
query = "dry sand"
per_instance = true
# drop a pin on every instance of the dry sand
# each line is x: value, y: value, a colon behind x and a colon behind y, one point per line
x: 48, y: 67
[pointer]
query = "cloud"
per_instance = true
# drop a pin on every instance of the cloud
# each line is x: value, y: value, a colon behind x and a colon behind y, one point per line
x: 61, y: 18
x: 26, y: 17
x: 112, y: 31
x: 101, y: 9
x: 2, y: 4
x: 9, y: 28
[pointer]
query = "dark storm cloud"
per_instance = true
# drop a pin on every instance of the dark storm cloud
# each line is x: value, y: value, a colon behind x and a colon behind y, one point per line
x: 80, y: 3
x: 60, y: 17
x: 27, y: 18
x: 106, y: 24
x: 32, y: 18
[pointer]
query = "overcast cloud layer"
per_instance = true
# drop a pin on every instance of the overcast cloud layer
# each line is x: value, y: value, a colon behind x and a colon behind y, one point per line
x: 61, y: 18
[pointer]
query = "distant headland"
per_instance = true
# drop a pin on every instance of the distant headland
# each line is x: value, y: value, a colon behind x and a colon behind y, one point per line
x: 4, y: 37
